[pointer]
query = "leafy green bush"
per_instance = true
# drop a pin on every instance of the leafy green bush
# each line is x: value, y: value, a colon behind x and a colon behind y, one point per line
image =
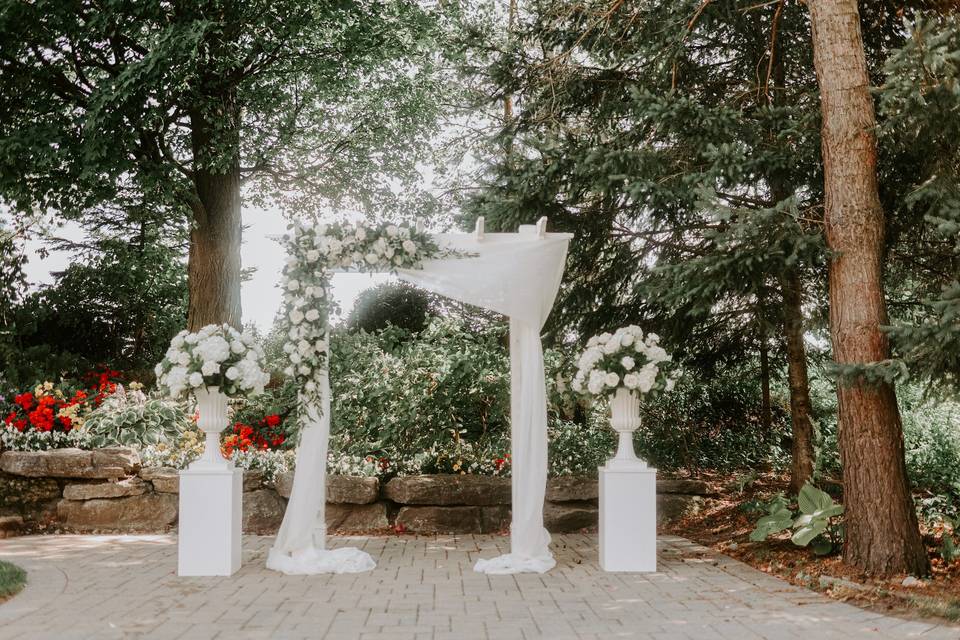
x: 391, y: 303
x: 129, y: 418
x: 12, y: 579
x: 712, y: 424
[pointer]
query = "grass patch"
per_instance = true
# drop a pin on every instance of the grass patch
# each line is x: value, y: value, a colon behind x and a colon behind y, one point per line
x: 949, y: 609
x: 12, y: 579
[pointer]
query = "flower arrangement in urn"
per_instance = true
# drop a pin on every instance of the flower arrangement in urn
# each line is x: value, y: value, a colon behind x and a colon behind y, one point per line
x: 623, y: 366
x: 214, y: 364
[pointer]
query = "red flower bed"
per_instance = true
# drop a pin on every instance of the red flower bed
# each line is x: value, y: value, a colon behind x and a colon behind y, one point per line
x: 48, y: 408
x: 265, y: 435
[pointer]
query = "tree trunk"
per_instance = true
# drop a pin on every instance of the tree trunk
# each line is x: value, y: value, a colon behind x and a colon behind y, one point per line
x: 214, y: 267
x: 766, y: 415
x: 801, y: 465
x: 881, y: 524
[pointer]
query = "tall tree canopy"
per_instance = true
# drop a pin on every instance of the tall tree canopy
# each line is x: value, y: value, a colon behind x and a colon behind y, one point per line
x: 176, y: 106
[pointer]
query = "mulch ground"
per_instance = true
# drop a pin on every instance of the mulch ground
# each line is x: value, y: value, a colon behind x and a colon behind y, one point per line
x: 724, y: 523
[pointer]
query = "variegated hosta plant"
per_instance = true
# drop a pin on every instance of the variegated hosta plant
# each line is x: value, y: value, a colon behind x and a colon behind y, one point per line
x: 130, y: 418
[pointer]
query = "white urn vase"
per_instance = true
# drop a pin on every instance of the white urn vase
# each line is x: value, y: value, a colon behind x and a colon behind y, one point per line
x: 213, y: 407
x: 625, y: 419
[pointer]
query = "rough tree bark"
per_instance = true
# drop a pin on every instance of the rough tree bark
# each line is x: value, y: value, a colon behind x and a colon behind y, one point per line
x: 802, y: 459
x: 214, y: 267
x: 881, y: 524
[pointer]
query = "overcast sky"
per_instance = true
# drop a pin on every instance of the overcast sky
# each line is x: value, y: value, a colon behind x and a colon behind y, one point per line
x: 260, y: 294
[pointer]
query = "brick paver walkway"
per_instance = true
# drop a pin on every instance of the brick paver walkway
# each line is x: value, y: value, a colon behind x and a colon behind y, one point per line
x: 106, y: 587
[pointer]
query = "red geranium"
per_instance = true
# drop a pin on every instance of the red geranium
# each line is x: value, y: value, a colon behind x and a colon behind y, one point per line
x: 264, y: 436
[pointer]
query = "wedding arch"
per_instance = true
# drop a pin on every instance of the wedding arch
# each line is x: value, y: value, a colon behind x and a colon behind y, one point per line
x: 516, y: 274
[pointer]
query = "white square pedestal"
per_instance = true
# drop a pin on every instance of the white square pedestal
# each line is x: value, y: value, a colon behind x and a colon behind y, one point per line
x: 211, y: 511
x: 628, y: 518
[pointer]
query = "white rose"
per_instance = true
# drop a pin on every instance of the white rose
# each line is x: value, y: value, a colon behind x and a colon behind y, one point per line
x: 312, y: 315
x: 371, y: 258
x: 296, y: 316
x: 313, y: 255
x: 184, y: 358
x: 627, y: 362
x: 304, y: 370
x: 238, y: 347
x: 657, y: 354
x: 196, y: 379
x: 295, y: 358
x: 209, y: 368
x: 293, y: 285
x: 611, y: 379
x: 595, y: 386
x: 232, y: 373
x: 392, y: 231
x: 653, y: 338
x: 631, y: 381
x: 410, y: 246
x: 626, y: 339
x: 361, y: 234
x: 158, y: 370
x: 191, y: 338
x: 611, y: 347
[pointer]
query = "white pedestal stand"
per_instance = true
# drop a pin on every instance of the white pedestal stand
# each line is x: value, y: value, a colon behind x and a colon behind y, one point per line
x: 211, y: 494
x: 628, y: 497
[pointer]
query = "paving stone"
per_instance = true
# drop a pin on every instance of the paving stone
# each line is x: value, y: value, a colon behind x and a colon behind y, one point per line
x: 423, y: 587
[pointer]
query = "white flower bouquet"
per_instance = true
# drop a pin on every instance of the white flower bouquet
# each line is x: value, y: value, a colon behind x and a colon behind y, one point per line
x: 215, y: 356
x: 625, y: 359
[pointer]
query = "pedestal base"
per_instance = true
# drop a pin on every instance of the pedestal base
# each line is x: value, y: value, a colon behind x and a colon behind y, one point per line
x: 211, y: 512
x: 628, y: 518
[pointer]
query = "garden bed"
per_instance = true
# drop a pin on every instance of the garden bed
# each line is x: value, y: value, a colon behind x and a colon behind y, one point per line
x: 109, y: 490
x: 724, y: 524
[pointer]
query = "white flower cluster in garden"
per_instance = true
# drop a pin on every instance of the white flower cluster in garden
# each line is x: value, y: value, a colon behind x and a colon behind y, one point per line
x: 313, y: 250
x: 625, y: 358
x: 215, y: 356
x: 12, y: 439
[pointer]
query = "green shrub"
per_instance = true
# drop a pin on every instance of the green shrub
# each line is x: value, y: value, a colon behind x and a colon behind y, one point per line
x: 392, y: 303
x: 712, y: 424
x: 12, y: 579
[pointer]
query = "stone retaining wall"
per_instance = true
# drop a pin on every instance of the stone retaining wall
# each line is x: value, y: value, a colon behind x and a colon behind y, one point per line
x: 107, y: 490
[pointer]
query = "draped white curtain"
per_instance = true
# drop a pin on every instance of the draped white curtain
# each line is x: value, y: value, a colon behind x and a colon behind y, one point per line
x: 518, y: 275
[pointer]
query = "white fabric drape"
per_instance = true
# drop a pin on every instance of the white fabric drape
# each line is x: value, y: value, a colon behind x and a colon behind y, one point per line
x: 300, y: 547
x: 518, y: 275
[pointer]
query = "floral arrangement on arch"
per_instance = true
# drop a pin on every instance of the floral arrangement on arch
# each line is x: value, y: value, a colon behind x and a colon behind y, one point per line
x: 625, y: 359
x: 215, y: 356
x: 315, y: 250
